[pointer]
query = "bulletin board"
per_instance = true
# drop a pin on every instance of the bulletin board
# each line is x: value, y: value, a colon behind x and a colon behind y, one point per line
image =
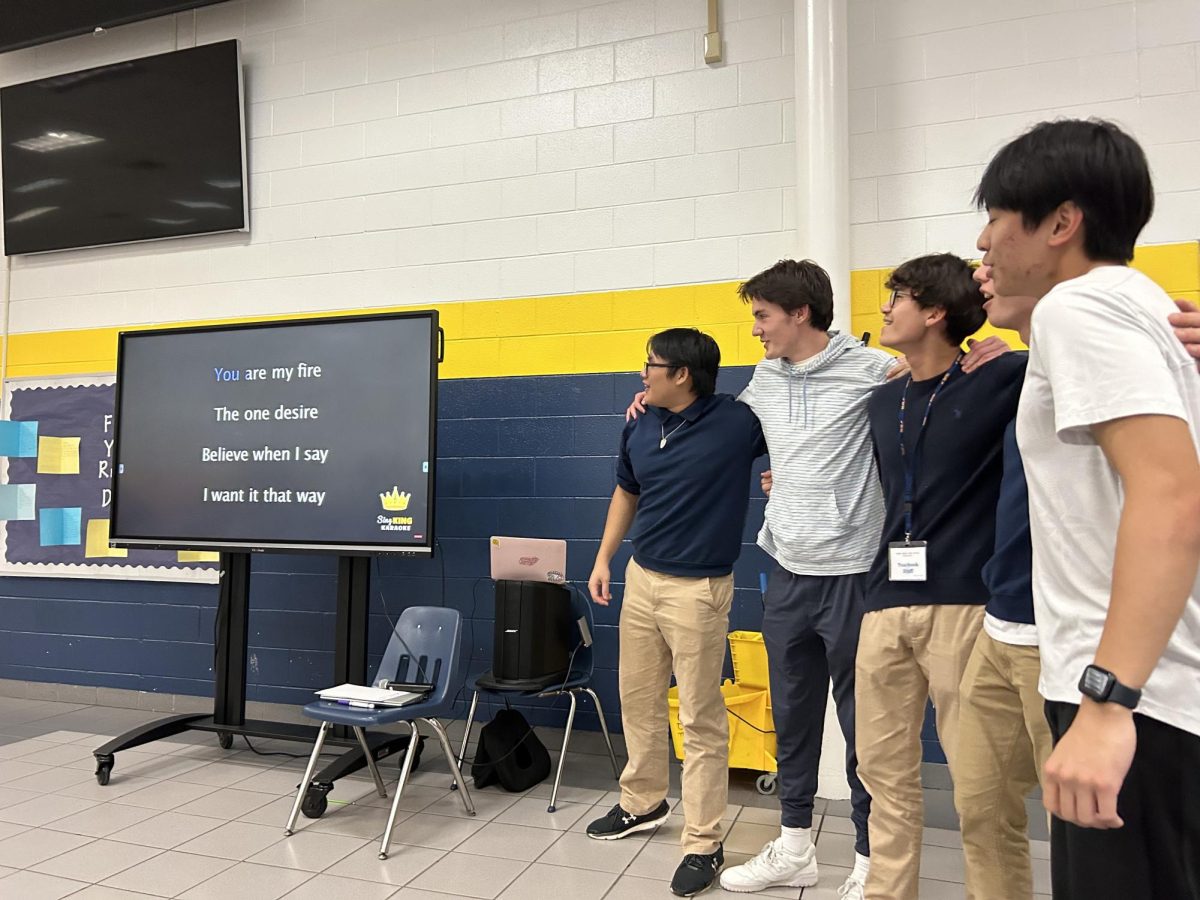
x: 55, y: 494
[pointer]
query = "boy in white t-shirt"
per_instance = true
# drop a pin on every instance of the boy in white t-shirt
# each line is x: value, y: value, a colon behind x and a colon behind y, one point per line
x: 1107, y: 427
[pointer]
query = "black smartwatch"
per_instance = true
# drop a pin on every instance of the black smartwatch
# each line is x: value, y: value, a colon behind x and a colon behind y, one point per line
x: 1102, y: 686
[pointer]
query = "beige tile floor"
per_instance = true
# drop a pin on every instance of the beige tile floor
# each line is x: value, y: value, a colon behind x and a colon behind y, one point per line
x: 183, y: 818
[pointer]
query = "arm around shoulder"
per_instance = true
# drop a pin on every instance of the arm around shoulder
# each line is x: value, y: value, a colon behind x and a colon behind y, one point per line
x: 753, y: 428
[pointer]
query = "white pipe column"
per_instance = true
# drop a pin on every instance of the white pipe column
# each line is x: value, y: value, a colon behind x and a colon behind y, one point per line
x: 823, y: 222
x: 823, y: 145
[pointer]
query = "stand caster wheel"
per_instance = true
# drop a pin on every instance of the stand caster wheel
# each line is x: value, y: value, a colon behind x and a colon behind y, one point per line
x: 224, y: 740
x: 104, y: 766
x: 315, y: 800
x: 766, y: 783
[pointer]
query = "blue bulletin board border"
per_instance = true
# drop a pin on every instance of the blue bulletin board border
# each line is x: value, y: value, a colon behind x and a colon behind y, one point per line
x: 54, y: 487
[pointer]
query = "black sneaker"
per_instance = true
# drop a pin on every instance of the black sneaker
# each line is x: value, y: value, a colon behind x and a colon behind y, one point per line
x: 618, y: 823
x: 697, y: 872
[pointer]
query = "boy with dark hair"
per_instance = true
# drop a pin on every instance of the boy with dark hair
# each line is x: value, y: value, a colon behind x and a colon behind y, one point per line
x: 1004, y: 739
x: 938, y: 436
x: 1108, y: 432
x: 681, y: 485
x: 821, y: 526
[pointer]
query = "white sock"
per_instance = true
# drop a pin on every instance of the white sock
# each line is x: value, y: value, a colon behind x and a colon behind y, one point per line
x: 796, y: 840
x: 862, y: 865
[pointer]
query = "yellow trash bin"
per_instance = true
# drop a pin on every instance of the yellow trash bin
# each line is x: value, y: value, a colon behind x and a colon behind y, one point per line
x: 749, y: 655
x: 748, y: 705
x: 751, y: 734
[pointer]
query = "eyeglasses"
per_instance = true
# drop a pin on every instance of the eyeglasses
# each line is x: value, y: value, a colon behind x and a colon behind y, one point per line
x: 895, y: 297
x: 647, y: 366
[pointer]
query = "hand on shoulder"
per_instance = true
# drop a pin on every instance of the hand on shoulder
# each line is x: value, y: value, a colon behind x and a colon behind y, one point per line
x: 980, y: 353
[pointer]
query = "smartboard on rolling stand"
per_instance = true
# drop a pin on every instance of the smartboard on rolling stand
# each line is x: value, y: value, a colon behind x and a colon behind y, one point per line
x: 311, y: 435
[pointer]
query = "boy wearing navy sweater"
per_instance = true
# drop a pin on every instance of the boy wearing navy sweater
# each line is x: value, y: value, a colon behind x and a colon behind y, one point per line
x: 938, y: 438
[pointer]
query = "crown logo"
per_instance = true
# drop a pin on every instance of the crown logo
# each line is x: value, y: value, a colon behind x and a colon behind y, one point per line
x: 394, y: 500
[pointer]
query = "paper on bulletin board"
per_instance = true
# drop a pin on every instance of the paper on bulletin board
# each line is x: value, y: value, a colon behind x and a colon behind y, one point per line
x: 55, y: 457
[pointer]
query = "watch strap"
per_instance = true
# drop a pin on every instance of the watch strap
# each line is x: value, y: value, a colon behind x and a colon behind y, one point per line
x: 1123, y: 695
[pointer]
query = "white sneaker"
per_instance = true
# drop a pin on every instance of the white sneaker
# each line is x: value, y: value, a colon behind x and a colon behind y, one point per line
x: 852, y: 889
x: 773, y: 867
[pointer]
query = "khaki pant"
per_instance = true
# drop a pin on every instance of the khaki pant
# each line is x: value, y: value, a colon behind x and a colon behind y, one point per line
x: 905, y: 655
x: 676, y: 624
x: 1003, y: 742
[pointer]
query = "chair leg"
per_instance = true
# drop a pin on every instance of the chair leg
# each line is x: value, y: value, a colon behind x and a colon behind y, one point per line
x: 562, y: 756
x: 444, y: 740
x: 462, y: 754
x: 604, y: 728
x: 308, y: 774
x: 405, y: 768
x: 366, y: 749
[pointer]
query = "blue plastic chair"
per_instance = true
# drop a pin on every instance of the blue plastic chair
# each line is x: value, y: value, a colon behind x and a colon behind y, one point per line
x: 578, y: 680
x: 425, y: 649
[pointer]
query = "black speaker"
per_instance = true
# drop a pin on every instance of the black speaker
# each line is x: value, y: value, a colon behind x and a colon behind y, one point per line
x: 533, y: 621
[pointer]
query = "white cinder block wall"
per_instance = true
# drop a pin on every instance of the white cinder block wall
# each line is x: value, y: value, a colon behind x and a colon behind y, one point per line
x: 406, y: 151
x: 936, y: 86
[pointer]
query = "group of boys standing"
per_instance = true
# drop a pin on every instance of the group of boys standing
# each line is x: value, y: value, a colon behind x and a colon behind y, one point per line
x: 1016, y: 538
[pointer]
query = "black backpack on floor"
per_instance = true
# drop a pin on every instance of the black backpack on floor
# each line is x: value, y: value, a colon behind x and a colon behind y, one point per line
x: 510, y: 753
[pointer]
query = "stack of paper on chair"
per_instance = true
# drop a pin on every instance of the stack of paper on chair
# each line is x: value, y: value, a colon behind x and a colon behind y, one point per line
x: 356, y: 694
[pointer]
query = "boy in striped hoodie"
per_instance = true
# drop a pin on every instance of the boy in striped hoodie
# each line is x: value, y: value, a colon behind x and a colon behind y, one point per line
x: 821, y: 526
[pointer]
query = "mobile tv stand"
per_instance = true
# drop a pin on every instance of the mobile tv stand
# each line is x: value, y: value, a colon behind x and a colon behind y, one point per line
x: 229, y: 705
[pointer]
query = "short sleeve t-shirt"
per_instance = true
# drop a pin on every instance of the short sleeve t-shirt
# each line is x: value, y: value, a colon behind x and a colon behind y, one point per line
x: 1100, y: 349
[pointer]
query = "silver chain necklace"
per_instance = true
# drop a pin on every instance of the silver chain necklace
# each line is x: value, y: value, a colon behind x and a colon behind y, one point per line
x: 665, y: 434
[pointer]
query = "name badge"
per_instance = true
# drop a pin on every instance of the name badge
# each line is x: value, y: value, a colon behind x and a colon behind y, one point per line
x: 906, y: 562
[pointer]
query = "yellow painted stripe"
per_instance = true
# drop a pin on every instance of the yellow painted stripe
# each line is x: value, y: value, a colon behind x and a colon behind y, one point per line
x: 575, y: 333
x: 603, y: 332
x: 1176, y: 267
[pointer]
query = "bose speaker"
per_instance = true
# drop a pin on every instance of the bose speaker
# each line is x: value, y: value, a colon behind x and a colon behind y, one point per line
x: 533, y: 621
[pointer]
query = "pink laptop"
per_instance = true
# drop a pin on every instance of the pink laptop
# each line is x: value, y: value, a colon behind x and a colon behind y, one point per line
x: 529, y: 559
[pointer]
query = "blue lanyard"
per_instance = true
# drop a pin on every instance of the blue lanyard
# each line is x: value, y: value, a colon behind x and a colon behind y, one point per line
x: 910, y: 470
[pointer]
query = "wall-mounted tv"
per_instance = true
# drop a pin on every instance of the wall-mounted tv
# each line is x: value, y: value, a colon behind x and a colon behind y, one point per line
x: 24, y: 23
x: 314, y: 434
x: 137, y: 150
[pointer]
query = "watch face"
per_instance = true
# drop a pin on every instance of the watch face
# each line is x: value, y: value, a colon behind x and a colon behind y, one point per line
x: 1095, y: 682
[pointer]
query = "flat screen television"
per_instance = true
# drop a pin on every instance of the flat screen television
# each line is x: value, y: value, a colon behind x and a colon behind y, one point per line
x: 25, y: 23
x: 137, y: 150
x: 314, y: 434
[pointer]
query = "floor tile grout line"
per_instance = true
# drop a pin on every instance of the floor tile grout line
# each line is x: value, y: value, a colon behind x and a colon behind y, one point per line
x: 237, y: 862
x: 232, y: 863
x: 48, y: 858
x: 113, y: 874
